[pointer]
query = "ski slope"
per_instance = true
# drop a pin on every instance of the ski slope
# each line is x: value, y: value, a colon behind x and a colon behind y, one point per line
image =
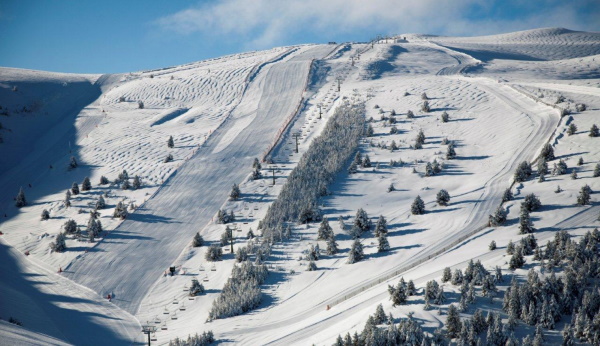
x: 166, y: 223
x: 225, y: 112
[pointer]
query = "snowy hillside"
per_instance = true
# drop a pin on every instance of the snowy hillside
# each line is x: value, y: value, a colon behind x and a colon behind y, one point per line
x: 459, y: 114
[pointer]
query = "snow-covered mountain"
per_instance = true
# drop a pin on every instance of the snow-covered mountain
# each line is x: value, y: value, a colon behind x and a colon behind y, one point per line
x: 496, y: 100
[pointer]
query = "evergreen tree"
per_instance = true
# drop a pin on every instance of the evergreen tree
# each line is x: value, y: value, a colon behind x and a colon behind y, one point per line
x: 370, y: 132
x: 120, y: 211
x: 573, y: 174
x: 446, y: 275
x: 73, y: 163
x: 499, y: 217
x: 492, y: 245
x: 86, y: 185
x: 517, y: 260
x: 45, y: 215
x: 103, y: 180
x: 325, y: 231
x: 196, y: 288
x: 525, y: 224
x: 450, y: 152
x: 137, y: 182
x: 75, y: 189
x: 100, y: 203
x: 20, y: 200
x: 523, y: 172
x: 67, y: 200
x: 59, y: 244
x: 198, y: 240
x: 391, y: 188
x: 250, y: 234
x: 560, y: 168
x: 356, y: 252
x: 596, y: 171
x: 70, y: 227
x: 444, y: 117
x: 383, y: 244
x: 311, y: 266
x: 397, y: 294
x: 418, y: 206
x: 379, y: 315
x: 168, y: 159
x: 362, y: 220
x: 542, y: 167
x: 531, y: 202
x: 443, y: 197
x: 170, y: 142
x: 353, y: 168
x: 584, y: 195
x: 256, y: 164
x: 594, y: 131
x: 568, y: 336
x: 381, y: 226
x: 235, y: 192
x: 125, y: 185
x: 410, y: 114
x: 547, y: 152
x: 332, y: 246
x: 507, y: 196
x: 453, y: 323
x: 580, y: 161
x: 425, y: 107
x: 366, y: 163
x: 572, y: 129
x: 213, y: 253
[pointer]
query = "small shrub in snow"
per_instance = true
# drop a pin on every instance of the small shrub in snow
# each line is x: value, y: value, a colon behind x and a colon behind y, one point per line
x: 381, y: 225
x: 213, y: 253
x: 573, y: 174
x: 523, y: 172
x: 424, y: 96
x: 391, y: 188
x: 492, y: 245
x: 20, y: 200
x: 425, y: 108
x: 450, y: 152
x: 45, y: 215
x: 140, y: 105
x: 559, y: 99
x: 596, y: 171
x: 410, y: 114
x: 572, y: 129
x: 444, y: 117
x: 499, y: 217
x: 125, y: 185
x: 169, y: 158
x: 446, y: 274
x: 311, y: 266
x: 67, y: 201
x: 580, y: 107
x: 100, y: 203
x: 393, y: 130
x: 369, y: 132
x: 170, y: 142
x: 580, y: 161
x: 103, y: 180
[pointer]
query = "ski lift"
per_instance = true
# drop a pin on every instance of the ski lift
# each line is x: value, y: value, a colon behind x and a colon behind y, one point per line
x: 182, y: 307
x: 201, y: 268
x: 164, y: 326
x: 153, y: 337
x: 185, y: 288
x: 175, y: 301
x: 166, y: 311
x: 174, y: 316
x: 213, y: 268
x: 156, y: 320
x: 205, y: 278
x: 191, y: 298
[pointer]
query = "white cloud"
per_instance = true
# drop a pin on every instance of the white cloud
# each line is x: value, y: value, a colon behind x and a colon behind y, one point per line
x: 262, y: 23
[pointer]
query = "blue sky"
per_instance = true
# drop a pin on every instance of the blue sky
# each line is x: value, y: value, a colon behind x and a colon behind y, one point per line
x: 112, y: 36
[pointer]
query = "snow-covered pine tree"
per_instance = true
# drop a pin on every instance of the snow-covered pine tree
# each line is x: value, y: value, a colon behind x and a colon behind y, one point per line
x: 311, y: 266
x: 457, y: 277
x: 499, y: 217
x: 45, y: 215
x: 86, y: 185
x: 362, y: 220
x: 75, y: 189
x: 59, y: 244
x: 391, y: 188
x: 425, y: 107
x: 103, y: 180
x: 213, y: 253
x: 170, y: 142
x: 594, y: 131
x: 70, y: 227
x: 332, y: 246
x: 547, y: 152
x: 517, y: 260
x: 20, y: 200
x: 369, y: 132
x: 573, y: 174
x: 446, y: 274
x: 418, y: 206
x: 256, y: 164
x: 383, y: 244
x: 443, y: 197
x: 196, y: 288
x: 584, y: 195
x: 531, y: 202
x: 73, y: 163
x: 393, y: 146
x: 121, y: 211
x: 125, y: 185
x: 397, y: 294
x: 198, y: 240
x: 100, y: 203
x: 453, y: 323
x: 572, y: 129
x: 450, y: 152
x: 137, y: 182
x: 169, y: 158
x: 325, y: 230
x: 542, y: 166
x: 560, y: 168
x: 410, y: 114
x: 235, y: 192
x: 256, y: 174
x: 356, y: 252
x: 140, y: 105
x: 241, y: 254
x: 429, y: 170
x: 580, y: 161
x: 507, y: 196
x: 67, y: 201
x: 492, y: 245
x: 525, y: 224
x: 353, y: 168
x: 366, y: 163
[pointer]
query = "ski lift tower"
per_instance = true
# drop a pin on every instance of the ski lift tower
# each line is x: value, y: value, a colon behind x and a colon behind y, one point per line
x: 148, y: 329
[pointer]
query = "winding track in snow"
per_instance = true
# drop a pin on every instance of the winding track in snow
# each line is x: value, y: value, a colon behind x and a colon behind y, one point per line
x: 126, y: 262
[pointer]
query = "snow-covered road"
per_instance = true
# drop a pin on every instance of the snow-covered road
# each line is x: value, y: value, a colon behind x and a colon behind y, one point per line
x: 126, y: 262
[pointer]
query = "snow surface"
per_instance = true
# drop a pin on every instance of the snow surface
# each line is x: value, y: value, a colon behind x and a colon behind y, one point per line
x: 225, y: 112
